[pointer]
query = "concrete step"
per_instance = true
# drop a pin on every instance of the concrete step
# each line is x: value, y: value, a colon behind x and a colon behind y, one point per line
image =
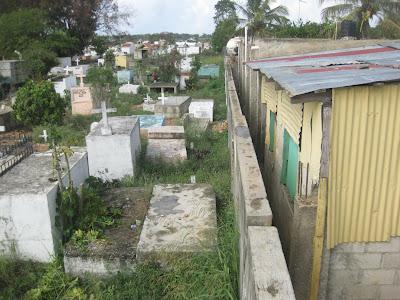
x: 166, y: 132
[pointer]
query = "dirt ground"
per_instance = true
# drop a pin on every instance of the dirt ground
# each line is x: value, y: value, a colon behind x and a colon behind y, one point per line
x: 120, y: 240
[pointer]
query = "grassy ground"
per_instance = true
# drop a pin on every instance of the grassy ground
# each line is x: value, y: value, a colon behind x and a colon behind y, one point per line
x: 208, y: 276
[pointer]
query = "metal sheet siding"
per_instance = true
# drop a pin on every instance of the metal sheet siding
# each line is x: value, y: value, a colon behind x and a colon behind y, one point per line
x: 292, y: 116
x: 269, y: 94
x: 364, y: 176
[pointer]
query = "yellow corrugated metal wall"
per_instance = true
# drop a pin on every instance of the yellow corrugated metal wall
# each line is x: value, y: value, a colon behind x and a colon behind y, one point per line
x: 269, y: 94
x: 364, y: 176
x: 291, y: 115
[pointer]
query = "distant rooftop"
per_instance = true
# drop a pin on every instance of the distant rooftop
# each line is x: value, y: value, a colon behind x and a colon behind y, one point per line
x: 302, y: 74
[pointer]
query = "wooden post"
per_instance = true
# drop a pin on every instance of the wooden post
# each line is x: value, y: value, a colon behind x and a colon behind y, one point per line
x: 319, y: 238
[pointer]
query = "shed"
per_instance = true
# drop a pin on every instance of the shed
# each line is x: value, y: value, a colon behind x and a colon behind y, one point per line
x: 160, y: 87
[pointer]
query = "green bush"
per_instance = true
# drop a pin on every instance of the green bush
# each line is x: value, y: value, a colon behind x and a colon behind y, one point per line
x: 37, y: 103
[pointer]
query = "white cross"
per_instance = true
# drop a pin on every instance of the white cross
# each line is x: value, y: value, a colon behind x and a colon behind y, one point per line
x: 147, y: 99
x: 162, y: 98
x: 81, y: 77
x: 44, y: 135
x: 106, y: 129
x: 77, y: 60
x: 67, y: 70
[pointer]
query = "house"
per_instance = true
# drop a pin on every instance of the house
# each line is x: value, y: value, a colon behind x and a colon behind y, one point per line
x: 128, y: 48
x: 326, y: 128
x: 122, y: 61
x: 188, y: 48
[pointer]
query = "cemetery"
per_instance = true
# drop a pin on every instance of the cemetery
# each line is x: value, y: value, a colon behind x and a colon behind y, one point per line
x: 136, y: 199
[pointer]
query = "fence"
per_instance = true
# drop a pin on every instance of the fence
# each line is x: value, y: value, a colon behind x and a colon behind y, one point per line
x: 263, y: 270
x: 14, y: 150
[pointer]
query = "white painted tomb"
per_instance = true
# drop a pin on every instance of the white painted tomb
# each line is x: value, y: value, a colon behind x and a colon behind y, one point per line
x: 202, y: 109
x: 129, y: 89
x: 172, y: 107
x: 181, y: 219
x: 113, y: 146
x: 28, y: 195
x: 66, y: 84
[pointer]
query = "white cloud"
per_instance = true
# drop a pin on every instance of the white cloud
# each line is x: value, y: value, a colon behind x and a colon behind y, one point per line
x: 195, y: 16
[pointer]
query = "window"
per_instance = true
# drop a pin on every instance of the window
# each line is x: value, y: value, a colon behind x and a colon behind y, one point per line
x: 289, y: 164
x: 272, y: 122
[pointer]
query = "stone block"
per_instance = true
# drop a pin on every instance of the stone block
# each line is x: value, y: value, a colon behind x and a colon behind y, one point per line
x: 114, y: 156
x: 364, y: 261
x: 370, y: 277
x: 181, y: 219
x: 391, y: 261
x: 28, y: 194
x: 202, y: 109
x: 173, y: 107
x: 81, y: 101
x: 268, y: 268
x: 166, y: 132
x: 390, y: 292
x: 351, y: 247
x: 129, y: 89
x: 170, y: 151
x: 360, y: 291
x: 391, y: 246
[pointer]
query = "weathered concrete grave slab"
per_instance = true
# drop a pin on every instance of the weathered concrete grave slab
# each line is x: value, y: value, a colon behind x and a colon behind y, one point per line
x: 81, y: 100
x: 28, y: 195
x: 168, y: 150
x: 181, y: 219
x: 202, y: 109
x: 166, y: 132
x: 113, y: 156
x: 117, y: 251
x: 173, y: 107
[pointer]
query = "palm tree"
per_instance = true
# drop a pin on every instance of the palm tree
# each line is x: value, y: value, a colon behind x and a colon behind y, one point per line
x: 259, y: 16
x: 361, y: 11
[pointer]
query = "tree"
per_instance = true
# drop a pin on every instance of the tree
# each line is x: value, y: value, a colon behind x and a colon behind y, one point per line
x: 259, y: 17
x: 227, y: 21
x: 102, y: 80
x: 100, y: 44
x: 224, y: 31
x: 81, y: 19
x: 224, y: 10
x: 168, y: 66
x: 361, y: 11
x: 39, y: 104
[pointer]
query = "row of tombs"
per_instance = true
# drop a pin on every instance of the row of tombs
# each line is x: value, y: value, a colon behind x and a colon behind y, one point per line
x: 171, y: 220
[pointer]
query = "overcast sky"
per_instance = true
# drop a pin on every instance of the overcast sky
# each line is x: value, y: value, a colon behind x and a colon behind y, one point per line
x: 194, y: 16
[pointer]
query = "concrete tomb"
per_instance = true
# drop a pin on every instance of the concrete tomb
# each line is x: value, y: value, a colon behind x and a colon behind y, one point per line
x: 202, y: 109
x: 118, y: 252
x: 113, y: 146
x: 65, y: 84
x: 125, y: 76
x: 129, y: 89
x: 181, y: 219
x: 81, y: 99
x: 149, y: 121
x: 28, y: 195
x: 172, y: 107
x: 166, y: 143
x: 149, y: 104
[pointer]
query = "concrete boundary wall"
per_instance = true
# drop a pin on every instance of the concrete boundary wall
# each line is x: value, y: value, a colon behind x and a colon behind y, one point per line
x: 263, y: 270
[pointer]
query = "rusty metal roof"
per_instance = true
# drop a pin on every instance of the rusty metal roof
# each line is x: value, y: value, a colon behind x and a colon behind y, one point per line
x: 302, y: 74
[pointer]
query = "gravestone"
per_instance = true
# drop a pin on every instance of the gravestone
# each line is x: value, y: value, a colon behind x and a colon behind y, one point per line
x: 172, y: 107
x: 65, y: 84
x: 202, y: 109
x: 149, y: 104
x: 116, y: 252
x: 166, y: 143
x: 181, y: 219
x: 28, y: 195
x: 113, y: 146
x: 81, y: 99
x: 129, y: 89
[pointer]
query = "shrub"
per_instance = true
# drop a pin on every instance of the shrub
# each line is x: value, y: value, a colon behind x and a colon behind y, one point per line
x: 39, y: 104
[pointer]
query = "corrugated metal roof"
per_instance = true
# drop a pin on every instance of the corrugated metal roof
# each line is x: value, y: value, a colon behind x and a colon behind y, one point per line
x: 301, y: 74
